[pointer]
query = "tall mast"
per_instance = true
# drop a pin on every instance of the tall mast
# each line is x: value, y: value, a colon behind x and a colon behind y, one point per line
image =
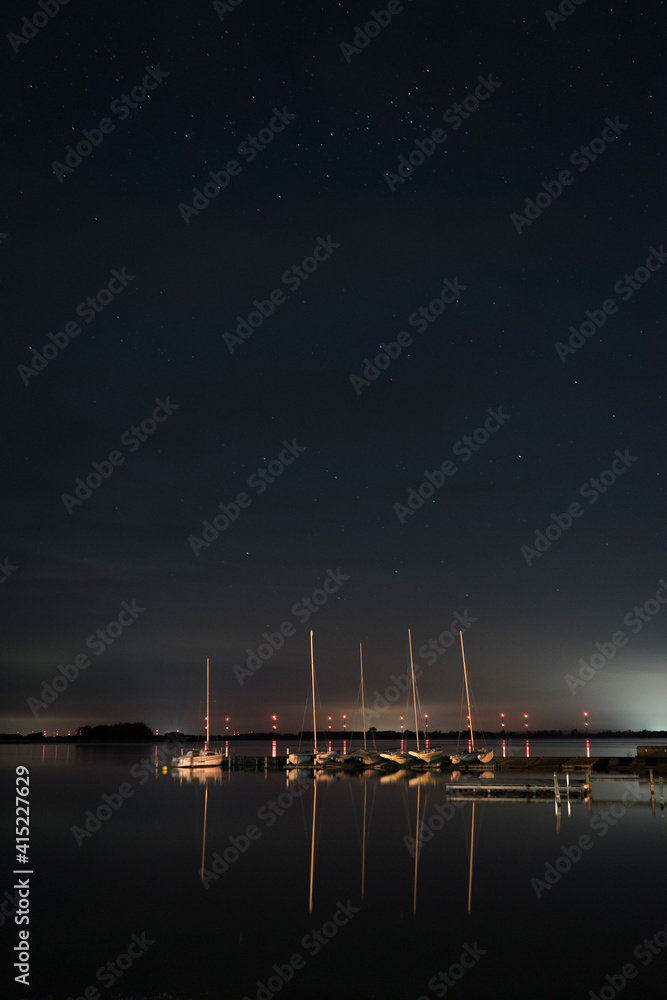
x: 363, y: 704
x: 312, y: 672
x: 465, y: 675
x: 206, y: 745
x: 414, y: 696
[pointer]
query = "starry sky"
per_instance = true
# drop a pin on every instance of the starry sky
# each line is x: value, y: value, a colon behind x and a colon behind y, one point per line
x: 217, y: 219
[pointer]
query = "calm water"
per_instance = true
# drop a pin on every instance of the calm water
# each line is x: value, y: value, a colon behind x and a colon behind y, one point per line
x: 350, y: 910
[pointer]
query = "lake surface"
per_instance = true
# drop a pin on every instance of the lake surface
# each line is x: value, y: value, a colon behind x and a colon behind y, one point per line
x: 314, y: 887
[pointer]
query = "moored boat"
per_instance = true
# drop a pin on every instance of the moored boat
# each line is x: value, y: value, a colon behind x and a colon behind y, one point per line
x: 399, y: 756
x: 300, y: 759
x: 314, y: 757
x: 434, y: 755
x: 480, y: 755
x: 200, y: 757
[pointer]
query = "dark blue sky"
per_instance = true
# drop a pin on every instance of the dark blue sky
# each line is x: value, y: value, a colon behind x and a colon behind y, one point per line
x: 467, y: 189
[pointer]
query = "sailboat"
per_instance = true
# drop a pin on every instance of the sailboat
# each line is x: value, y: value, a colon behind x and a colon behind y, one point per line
x: 314, y: 757
x: 481, y: 754
x: 434, y: 755
x: 430, y: 755
x: 205, y: 757
x: 398, y: 756
x: 361, y: 757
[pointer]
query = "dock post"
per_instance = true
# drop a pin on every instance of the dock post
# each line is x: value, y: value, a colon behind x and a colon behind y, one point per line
x: 556, y: 788
x: 652, y: 784
x: 586, y: 787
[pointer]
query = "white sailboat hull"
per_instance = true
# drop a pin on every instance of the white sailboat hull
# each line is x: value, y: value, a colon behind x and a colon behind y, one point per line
x: 435, y: 756
x: 402, y: 759
x: 199, y: 758
x: 482, y: 756
x: 368, y: 757
x: 301, y: 759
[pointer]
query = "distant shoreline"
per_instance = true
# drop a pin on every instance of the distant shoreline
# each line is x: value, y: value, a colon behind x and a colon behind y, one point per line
x: 386, y: 734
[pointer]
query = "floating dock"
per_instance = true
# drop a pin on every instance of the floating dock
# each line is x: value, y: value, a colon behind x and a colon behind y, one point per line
x: 517, y: 791
x: 638, y: 765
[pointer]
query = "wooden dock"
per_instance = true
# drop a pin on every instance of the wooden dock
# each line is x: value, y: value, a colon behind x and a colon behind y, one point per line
x: 244, y: 763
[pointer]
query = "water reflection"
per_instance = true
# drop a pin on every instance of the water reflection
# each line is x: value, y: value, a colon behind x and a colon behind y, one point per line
x: 207, y: 778
x: 412, y: 849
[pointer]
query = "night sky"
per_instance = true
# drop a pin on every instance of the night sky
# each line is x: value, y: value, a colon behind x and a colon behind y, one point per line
x: 194, y: 299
